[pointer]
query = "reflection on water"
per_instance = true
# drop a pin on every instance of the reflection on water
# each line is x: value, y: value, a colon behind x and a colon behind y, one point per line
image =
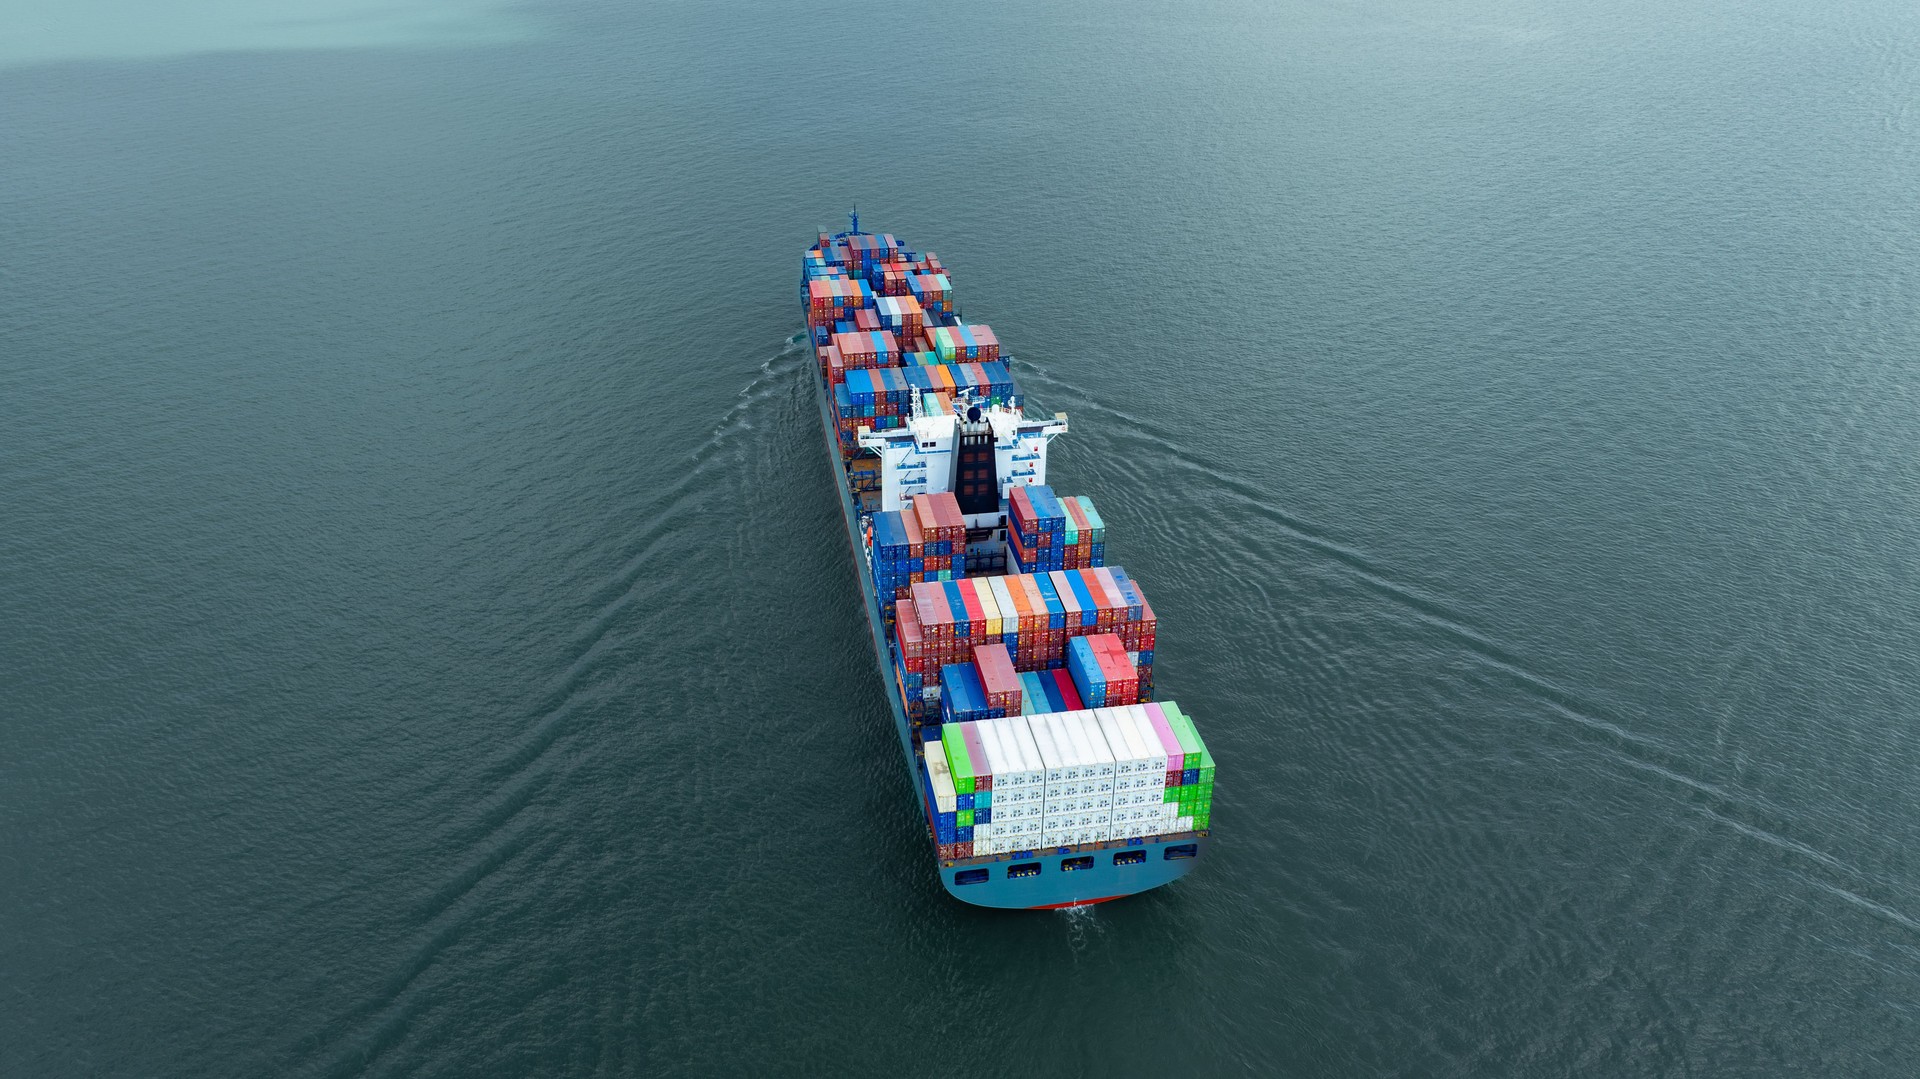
x: 32, y: 32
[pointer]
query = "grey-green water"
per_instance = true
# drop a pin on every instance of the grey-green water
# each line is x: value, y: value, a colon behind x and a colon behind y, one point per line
x: 426, y: 646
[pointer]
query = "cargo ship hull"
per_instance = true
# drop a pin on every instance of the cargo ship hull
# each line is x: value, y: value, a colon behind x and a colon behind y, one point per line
x: 1062, y: 878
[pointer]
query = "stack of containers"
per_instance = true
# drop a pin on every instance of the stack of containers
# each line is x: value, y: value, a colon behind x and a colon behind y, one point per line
x: 865, y: 249
x: 933, y: 290
x: 1062, y: 779
x: 946, y: 756
x: 1137, y: 631
x: 817, y: 269
x: 847, y: 422
x: 867, y: 319
x: 900, y: 314
x: 915, y: 545
x: 879, y: 398
x: 942, y: 522
x: 943, y: 803
x: 900, y: 559
x: 912, y: 659
x: 933, y: 561
x: 1089, y: 549
x: 889, y: 277
x: 1018, y: 793
x: 1048, y: 691
x: 1036, y: 530
x: 1190, y: 790
x: 956, y: 344
x: 997, y: 773
x: 830, y: 298
x: 1089, y: 675
x: 879, y: 391
x: 1159, y: 794
x: 962, y: 696
x: 1102, y: 670
x: 1049, y: 532
x: 872, y: 348
x: 831, y: 302
x: 1077, y: 806
x: 989, y: 381
x: 1140, y: 770
x: 936, y: 638
x: 1035, y: 615
x: 998, y: 678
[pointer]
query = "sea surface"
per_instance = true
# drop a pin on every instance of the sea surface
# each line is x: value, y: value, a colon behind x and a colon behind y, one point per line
x: 428, y: 645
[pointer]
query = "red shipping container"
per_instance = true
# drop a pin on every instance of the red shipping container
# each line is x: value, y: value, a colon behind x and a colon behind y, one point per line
x: 857, y: 347
x: 1064, y: 683
x: 998, y: 676
x: 930, y: 610
x: 989, y: 344
x: 910, y: 522
x: 950, y: 507
x: 1020, y: 507
x: 913, y: 645
x: 923, y: 511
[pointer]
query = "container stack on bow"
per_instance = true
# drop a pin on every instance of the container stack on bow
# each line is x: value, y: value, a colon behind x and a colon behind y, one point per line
x: 1018, y: 784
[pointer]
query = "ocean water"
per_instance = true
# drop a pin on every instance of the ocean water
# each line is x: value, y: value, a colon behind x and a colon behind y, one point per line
x: 427, y: 646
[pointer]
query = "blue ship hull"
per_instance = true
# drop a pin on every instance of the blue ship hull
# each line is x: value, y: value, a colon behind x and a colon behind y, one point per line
x: 1103, y: 871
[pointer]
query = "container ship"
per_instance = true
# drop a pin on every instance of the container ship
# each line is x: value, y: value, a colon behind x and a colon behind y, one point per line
x: 1017, y: 662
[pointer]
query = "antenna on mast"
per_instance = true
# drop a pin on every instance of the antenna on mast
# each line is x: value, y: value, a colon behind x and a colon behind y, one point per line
x: 853, y: 220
